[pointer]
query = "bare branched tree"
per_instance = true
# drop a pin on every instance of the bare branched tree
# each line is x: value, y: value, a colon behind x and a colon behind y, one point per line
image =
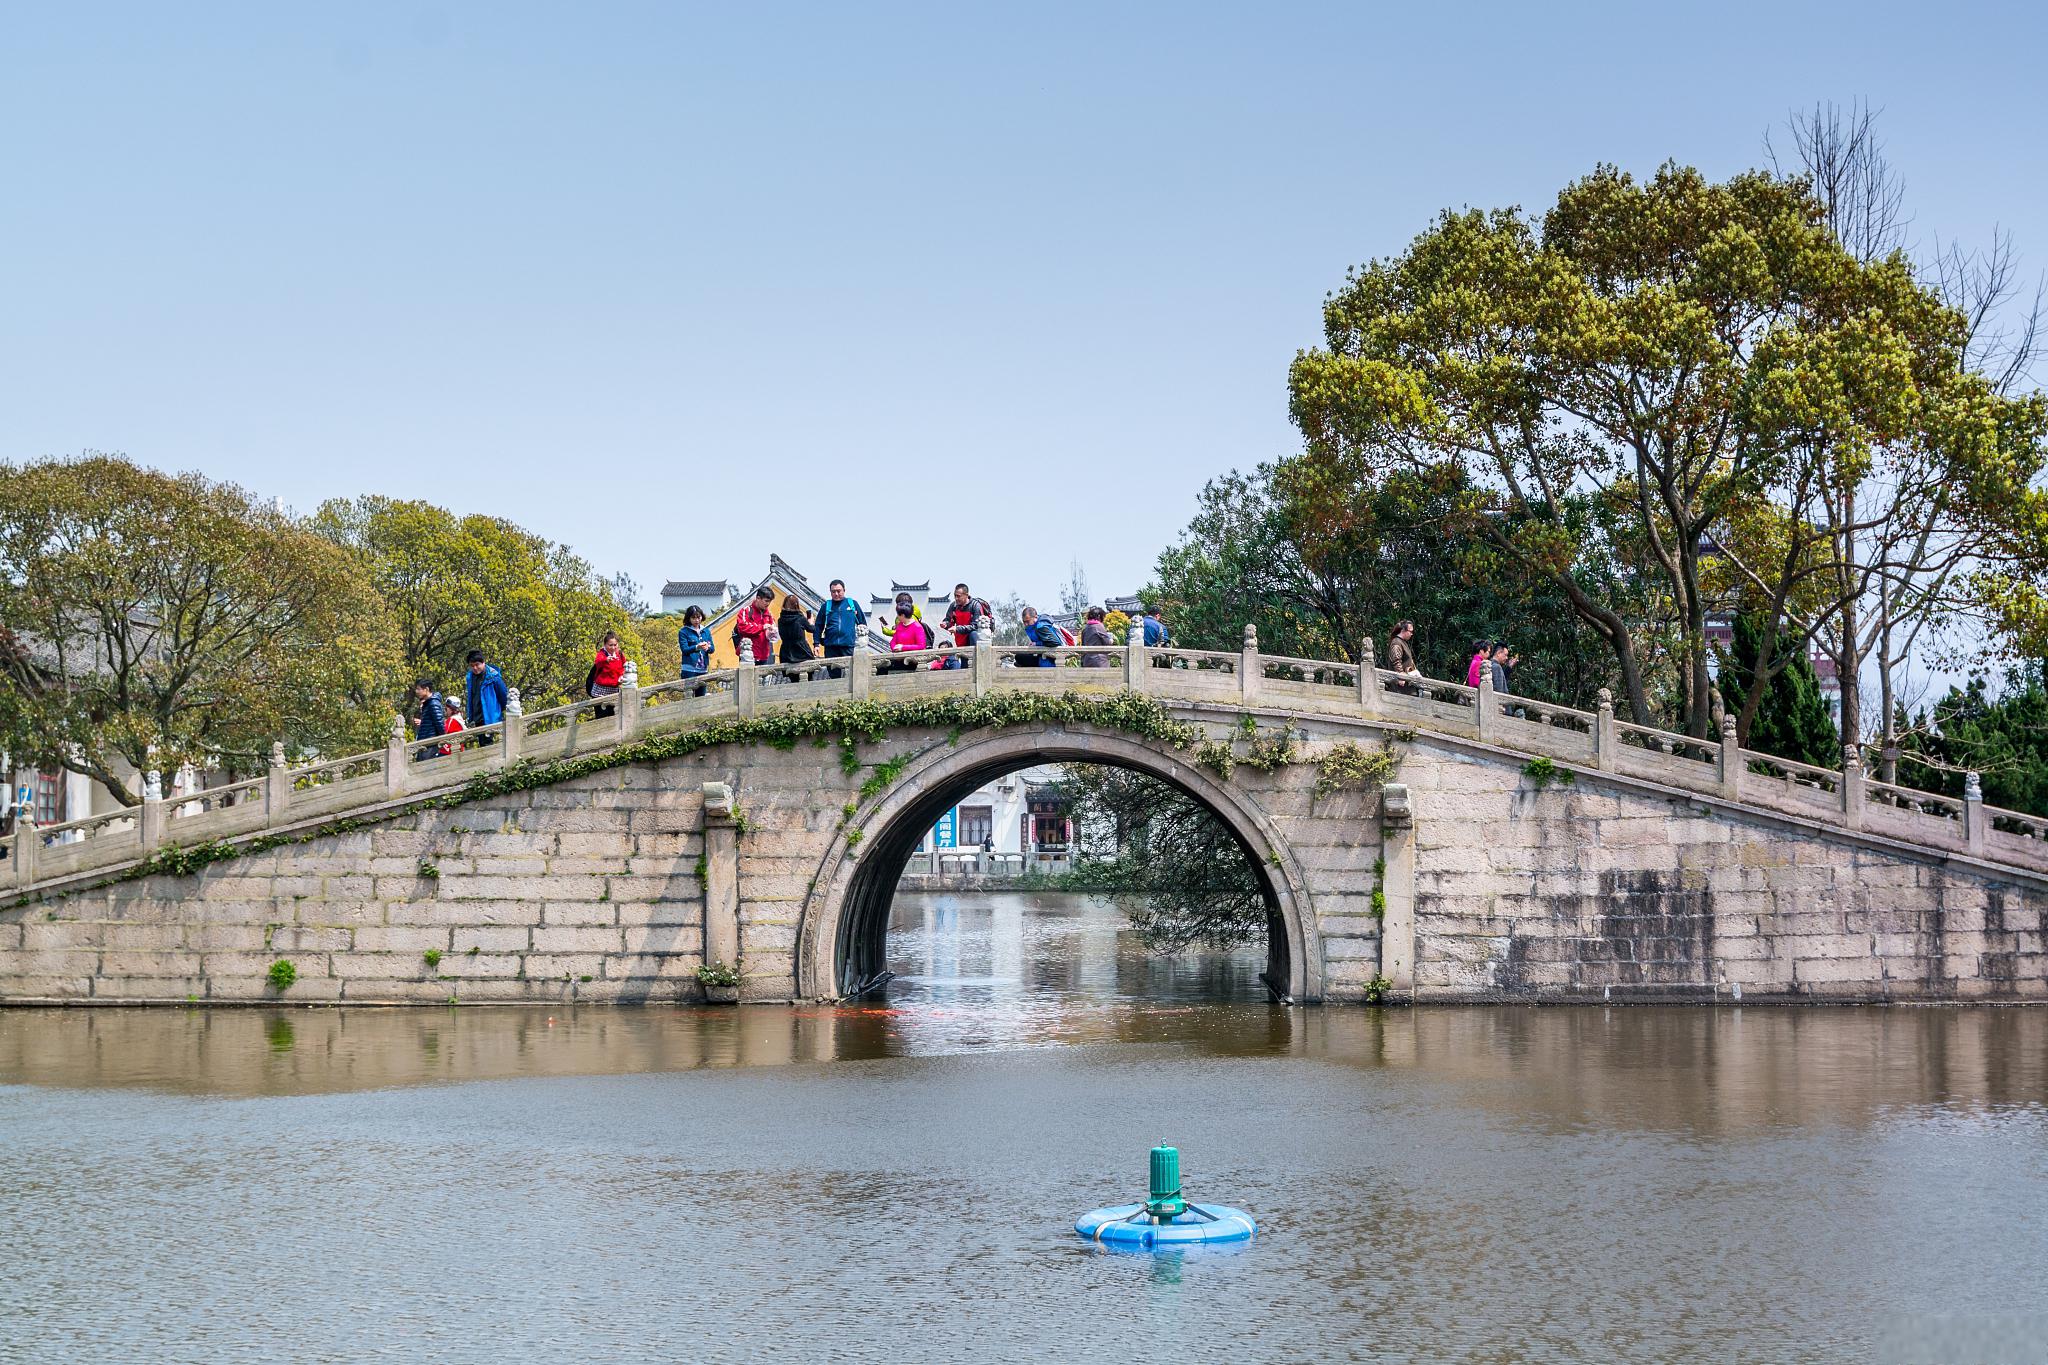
x: 1839, y: 153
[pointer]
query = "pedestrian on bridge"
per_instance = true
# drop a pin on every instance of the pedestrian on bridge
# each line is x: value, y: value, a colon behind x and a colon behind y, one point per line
x: 486, y: 694
x: 793, y: 630
x: 695, y: 644
x: 432, y: 720
x: 1401, y: 658
x: 605, y: 672
x: 1042, y: 633
x: 838, y: 626
x: 1096, y: 633
x: 753, y: 627
x: 963, y: 618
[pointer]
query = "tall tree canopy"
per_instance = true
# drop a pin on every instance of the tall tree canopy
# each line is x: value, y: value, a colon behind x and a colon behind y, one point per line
x: 161, y: 620
x: 1790, y: 716
x: 1671, y: 350
x: 2004, y: 738
x: 454, y: 584
x: 1319, y: 559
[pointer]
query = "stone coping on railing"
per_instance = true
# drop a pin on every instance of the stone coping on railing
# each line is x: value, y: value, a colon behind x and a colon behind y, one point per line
x: 289, y: 796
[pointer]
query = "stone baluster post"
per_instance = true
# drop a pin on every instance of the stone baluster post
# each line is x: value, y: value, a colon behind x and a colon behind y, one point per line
x: 1730, y: 761
x: 1368, y: 679
x: 277, y: 787
x: 860, y: 670
x: 983, y: 659
x: 152, y: 818
x: 26, y: 842
x: 1249, y: 670
x: 1604, y: 739
x: 515, y: 727
x: 394, y: 758
x: 629, y: 701
x: 1973, y: 812
x: 1852, y: 787
x: 745, y: 681
x: 1484, y: 703
x: 1134, y: 654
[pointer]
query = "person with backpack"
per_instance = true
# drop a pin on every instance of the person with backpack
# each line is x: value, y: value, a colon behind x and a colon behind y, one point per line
x: 484, y: 693
x: 838, y: 626
x: 963, y: 618
x: 432, y: 720
x: 753, y: 627
x: 605, y: 671
x: 694, y: 643
x: 1043, y: 633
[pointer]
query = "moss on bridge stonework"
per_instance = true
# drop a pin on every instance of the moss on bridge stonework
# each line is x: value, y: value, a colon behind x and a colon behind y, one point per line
x: 849, y: 724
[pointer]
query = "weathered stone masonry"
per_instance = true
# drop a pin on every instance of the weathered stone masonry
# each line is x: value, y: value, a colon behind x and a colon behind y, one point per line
x: 1596, y: 886
x: 596, y: 888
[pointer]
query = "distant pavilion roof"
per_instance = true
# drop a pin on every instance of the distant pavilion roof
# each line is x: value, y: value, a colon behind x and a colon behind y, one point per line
x: 696, y: 587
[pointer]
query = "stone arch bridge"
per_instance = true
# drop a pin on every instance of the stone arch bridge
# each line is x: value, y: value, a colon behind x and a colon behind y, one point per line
x: 763, y: 815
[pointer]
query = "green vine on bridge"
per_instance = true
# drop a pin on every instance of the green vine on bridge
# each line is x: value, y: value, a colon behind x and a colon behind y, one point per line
x: 852, y: 723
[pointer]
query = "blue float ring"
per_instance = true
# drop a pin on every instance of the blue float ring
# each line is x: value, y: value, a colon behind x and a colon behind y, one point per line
x: 1115, y: 1227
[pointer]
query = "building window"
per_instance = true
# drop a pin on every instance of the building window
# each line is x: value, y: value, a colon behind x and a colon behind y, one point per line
x: 977, y: 826
x: 1049, y: 829
x: 49, y: 798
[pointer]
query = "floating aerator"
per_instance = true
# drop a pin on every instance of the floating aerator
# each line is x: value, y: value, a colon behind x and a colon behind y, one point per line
x: 1165, y: 1218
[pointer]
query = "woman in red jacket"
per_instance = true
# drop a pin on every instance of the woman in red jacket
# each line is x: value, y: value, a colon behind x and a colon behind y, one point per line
x: 605, y: 672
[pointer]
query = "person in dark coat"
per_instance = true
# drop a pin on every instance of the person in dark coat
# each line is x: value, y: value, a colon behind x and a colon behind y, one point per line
x: 432, y: 720
x: 1096, y: 633
x: 793, y: 632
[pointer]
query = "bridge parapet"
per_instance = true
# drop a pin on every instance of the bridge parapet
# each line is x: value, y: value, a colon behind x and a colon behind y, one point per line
x: 304, y: 796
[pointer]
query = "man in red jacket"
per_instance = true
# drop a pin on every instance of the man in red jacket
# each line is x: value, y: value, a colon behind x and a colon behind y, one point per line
x: 755, y: 624
x: 963, y: 617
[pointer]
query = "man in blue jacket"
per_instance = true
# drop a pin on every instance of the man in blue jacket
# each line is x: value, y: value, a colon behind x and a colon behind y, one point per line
x: 1155, y: 628
x: 838, y: 626
x: 1042, y: 633
x: 483, y: 694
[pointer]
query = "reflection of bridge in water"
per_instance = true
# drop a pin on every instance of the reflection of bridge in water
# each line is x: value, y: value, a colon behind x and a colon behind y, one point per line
x: 1666, y: 865
x: 1682, y: 1070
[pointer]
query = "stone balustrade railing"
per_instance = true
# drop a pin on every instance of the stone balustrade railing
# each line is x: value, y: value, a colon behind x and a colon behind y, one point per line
x: 307, y: 795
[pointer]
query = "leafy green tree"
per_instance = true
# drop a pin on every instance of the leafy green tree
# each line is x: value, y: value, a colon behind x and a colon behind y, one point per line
x: 457, y: 583
x: 1791, y: 717
x: 150, y: 621
x: 1318, y: 562
x: 1673, y: 349
x: 1182, y: 877
x: 2002, y: 738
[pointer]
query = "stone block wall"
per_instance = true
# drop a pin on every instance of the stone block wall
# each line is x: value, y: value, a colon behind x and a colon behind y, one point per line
x: 1570, y: 891
x: 590, y: 890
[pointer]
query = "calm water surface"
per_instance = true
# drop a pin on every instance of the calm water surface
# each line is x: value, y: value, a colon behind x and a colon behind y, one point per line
x: 899, y: 1182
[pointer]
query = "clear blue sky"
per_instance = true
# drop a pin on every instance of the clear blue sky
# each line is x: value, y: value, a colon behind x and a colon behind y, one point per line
x: 681, y: 285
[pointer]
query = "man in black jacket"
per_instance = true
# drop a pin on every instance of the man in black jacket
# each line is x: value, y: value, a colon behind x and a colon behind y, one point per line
x: 432, y: 719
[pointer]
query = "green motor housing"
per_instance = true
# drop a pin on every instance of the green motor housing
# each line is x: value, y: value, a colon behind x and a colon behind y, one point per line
x: 1163, y: 1202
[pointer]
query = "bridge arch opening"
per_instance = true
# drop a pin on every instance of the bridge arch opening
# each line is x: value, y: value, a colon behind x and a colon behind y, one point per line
x: 843, y: 940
